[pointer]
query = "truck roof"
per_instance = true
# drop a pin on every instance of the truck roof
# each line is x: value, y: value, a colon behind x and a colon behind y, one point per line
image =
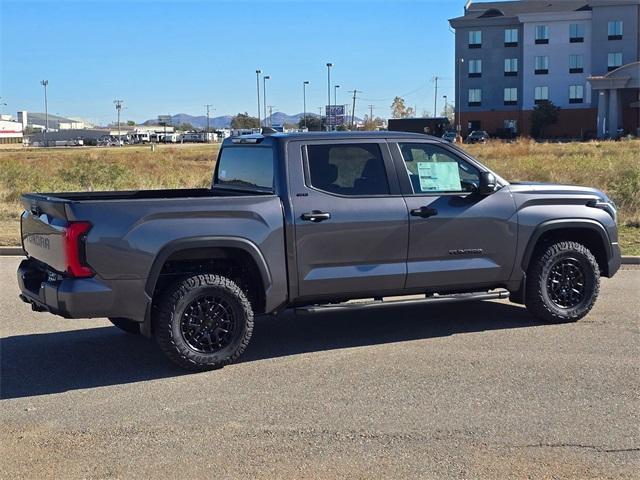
x: 259, y: 138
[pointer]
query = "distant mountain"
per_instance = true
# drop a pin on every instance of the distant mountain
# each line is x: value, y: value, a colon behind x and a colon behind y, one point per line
x: 198, y: 122
x: 224, y: 121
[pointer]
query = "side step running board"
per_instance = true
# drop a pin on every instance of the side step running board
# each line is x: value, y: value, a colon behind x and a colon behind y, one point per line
x: 412, y: 300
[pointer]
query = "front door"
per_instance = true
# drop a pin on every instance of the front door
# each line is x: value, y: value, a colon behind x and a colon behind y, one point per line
x: 457, y: 237
x: 351, y: 225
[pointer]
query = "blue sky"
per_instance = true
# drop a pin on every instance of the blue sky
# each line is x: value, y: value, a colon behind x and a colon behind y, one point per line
x: 174, y: 56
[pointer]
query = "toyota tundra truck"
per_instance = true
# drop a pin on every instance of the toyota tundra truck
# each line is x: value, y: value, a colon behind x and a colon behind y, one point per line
x: 312, y: 221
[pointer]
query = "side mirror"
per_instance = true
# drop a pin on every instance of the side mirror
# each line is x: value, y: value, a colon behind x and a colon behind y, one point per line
x: 487, y: 183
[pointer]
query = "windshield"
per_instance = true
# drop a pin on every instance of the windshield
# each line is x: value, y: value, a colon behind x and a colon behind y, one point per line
x: 245, y: 167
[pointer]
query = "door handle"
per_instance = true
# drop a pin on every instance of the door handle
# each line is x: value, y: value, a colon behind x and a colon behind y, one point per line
x: 424, y: 212
x: 315, y: 216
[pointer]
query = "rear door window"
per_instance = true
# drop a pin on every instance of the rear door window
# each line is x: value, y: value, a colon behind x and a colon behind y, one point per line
x: 353, y: 169
x: 245, y: 167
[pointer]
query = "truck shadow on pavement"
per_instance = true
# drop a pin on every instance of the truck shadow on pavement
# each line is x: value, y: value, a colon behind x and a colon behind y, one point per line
x: 47, y: 363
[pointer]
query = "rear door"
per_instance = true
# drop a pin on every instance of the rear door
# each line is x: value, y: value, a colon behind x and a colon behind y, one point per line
x: 351, y: 225
x: 457, y: 237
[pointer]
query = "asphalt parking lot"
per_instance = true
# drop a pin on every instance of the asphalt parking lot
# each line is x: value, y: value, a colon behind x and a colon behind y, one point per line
x: 450, y: 391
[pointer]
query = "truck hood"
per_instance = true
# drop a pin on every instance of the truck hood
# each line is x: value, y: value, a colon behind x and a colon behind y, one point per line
x: 555, y: 189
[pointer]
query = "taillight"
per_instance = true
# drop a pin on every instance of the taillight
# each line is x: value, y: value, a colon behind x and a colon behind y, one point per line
x: 74, y: 249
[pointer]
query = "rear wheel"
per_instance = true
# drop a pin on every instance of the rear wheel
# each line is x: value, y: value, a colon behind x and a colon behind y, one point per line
x: 563, y: 282
x: 126, y: 325
x: 204, y: 322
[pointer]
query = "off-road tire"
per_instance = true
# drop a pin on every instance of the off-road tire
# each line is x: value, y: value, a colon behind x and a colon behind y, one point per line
x: 126, y: 325
x: 538, y: 299
x: 178, y: 297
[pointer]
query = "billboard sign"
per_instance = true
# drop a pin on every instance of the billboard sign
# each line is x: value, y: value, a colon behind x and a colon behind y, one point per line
x: 164, y: 119
x: 335, y: 115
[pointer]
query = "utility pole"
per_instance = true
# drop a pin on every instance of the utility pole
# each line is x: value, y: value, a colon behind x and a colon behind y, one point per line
x: 118, y: 104
x: 371, y: 113
x: 353, y: 108
x: 258, y: 72
x: 329, y: 65
x: 435, y: 98
x: 335, y: 94
x: 304, y: 101
x: 264, y: 97
x: 44, y: 83
x: 208, y: 106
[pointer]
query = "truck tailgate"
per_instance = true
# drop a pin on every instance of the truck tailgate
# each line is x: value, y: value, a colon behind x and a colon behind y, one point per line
x: 43, y: 230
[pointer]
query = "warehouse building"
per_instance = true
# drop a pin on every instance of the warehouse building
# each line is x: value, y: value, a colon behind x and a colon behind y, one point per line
x: 10, y: 130
x: 582, y: 55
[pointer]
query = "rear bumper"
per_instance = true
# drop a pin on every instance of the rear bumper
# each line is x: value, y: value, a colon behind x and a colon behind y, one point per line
x: 67, y: 297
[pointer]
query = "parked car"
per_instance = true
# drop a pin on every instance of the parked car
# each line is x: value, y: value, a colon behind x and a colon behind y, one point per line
x: 450, y: 136
x: 310, y: 221
x: 478, y: 136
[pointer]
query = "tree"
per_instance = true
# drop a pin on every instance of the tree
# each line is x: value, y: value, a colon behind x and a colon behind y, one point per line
x: 131, y: 123
x: 400, y: 110
x: 543, y: 115
x: 449, y: 112
x: 314, y: 123
x: 244, y: 120
x: 372, y: 123
x: 185, y: 127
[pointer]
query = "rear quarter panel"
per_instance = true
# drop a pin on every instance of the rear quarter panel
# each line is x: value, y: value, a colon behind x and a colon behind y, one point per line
x: 128, y: 235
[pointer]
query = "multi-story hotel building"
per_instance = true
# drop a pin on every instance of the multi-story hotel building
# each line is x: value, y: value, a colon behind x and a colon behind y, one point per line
x: 582, y: 55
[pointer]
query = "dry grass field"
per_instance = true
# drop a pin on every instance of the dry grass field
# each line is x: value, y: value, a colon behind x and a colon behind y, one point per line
x: 613, y: 167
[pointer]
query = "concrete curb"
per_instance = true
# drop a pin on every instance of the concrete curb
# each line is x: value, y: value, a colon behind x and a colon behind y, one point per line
x: 17, y: 251
x: 11, y: 251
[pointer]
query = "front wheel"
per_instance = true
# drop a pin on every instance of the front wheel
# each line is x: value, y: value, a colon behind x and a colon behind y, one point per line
x: 563, y: 281
x: 204, y: 322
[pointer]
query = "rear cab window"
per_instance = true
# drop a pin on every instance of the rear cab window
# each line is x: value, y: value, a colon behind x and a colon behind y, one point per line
x: 245, y: 168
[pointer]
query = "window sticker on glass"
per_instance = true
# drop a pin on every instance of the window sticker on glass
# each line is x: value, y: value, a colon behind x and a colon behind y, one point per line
x: 439, y: 176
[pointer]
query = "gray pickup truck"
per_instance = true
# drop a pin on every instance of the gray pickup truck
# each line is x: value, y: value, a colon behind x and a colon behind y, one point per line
x: 312, y: 221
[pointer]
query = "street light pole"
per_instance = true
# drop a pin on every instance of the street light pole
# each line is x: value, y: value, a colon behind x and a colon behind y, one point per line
x: 335, y: 94
x: 208, y: 106
x: 304, y: 101
x: 329, y: 65
x: 264, y: 97
x: 258, y: 72
x: 459, y: 101
x: 118, y: 104
x: 44, y: 83
x: 435, y: 99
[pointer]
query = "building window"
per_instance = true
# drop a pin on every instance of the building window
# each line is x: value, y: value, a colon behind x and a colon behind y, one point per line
x: 541, y: 94
x: 576, y: 64
x: 511, y: 126
x: 511, y: 37
x: 542, y: 65
x: 475, y: 68
x: 475, y: 39
x: 576, y: 33
x: 614, y: 61
x: 542, y: 34
x: 510, y: 67
x: 615, y: 30
x: 475, y: 97
x: 576, y: 94
x: 510, y: 96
